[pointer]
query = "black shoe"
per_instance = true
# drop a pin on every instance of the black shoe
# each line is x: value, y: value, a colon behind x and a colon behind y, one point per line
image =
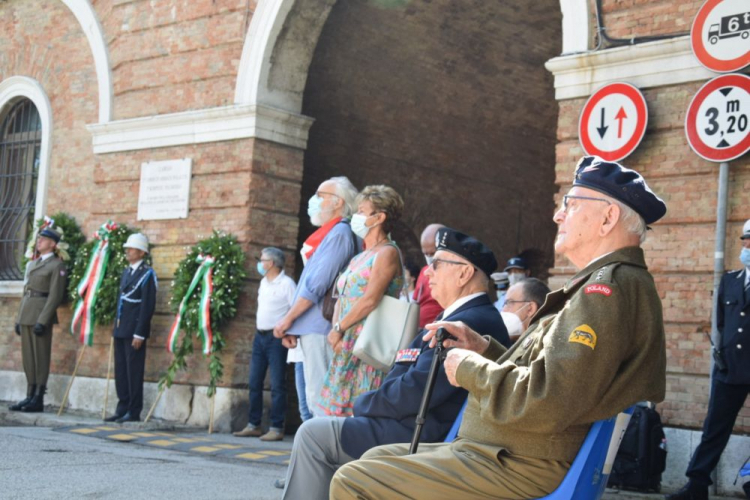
x: 30, y: 390
x: 36, y: 405
x: 128, y: 418
x: 690, y: 492
x: 113, y: 418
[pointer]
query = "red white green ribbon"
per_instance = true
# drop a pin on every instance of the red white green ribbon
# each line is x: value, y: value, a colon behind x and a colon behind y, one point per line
x: 204, y: 273
x: 91, y: 282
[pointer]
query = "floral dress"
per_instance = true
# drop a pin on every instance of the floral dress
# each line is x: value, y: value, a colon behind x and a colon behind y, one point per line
x: 348, y: 376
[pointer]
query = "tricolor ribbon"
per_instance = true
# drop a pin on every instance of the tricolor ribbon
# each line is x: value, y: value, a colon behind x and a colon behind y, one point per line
x: 91, y: 282
x: 204, y: 273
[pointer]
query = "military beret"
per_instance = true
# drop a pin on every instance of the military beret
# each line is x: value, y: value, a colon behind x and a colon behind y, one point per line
x: 469, y: 248
x: 623, y: 184
x: 516, y: 263
x: 51, y: 234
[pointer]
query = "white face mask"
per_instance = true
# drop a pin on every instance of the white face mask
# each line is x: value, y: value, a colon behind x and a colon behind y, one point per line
x: 513, y: 323
x: 359, y: 225
x: 514, y: 278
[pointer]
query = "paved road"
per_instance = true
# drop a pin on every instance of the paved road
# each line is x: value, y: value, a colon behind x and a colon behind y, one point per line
x: 40, y: 463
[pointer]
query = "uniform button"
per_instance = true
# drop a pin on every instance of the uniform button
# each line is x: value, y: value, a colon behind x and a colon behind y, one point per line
x: 739, y: 330
x: 727, y: 302
x: 739, y: 346
x: 742, y: 313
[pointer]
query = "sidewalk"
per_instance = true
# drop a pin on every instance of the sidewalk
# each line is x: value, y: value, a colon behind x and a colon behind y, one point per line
x: 633, y: 495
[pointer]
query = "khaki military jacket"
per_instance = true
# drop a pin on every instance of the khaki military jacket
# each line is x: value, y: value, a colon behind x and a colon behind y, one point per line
x: 594, y: 348
x: 44, y: 277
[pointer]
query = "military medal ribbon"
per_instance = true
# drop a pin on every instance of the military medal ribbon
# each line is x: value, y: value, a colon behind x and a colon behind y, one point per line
x: 204, y: 273
x: 90, y: 284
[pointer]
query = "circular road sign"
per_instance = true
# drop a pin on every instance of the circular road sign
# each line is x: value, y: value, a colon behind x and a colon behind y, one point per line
x: 716, y: 124
x: 613, y: 121
x: 720, y: 36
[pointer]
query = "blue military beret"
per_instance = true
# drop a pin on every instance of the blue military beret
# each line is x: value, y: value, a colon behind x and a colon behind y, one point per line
x: 467, y: 247
x: 51, y: 234
x: 622, y: 184
x: 516, y: 263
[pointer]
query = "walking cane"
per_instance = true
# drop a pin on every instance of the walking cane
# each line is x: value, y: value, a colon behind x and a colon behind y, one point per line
x: 437, y: 358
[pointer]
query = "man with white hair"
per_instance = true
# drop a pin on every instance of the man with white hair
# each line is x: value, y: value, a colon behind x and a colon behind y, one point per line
x: 325, y: 253
x: 136, y: 303
x: 595, y: 348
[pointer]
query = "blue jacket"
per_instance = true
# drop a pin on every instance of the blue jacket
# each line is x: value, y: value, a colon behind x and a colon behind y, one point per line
x: 387, y: 415
x: 733, y: 321
x: 136, y: 302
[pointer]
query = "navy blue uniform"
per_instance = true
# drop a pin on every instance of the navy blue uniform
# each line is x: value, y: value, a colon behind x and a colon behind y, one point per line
x: 387, y: 415
x: 729, y: 388
x: 136, y: 302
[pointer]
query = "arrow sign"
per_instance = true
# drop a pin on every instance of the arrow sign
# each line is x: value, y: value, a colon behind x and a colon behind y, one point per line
x: 628, y: 107
x: 717, y: 123
x: 602, y: 129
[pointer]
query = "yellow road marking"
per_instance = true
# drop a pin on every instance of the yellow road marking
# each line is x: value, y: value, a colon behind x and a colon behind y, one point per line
x: 251, y: 456
x: 122, y: 437
x: 204, y: 449
x: 229, y: 446
x: 274, y: 453
x: 106, y: 428
x: 162, y: 442
x: 84, y: 431
x: 144, y: 434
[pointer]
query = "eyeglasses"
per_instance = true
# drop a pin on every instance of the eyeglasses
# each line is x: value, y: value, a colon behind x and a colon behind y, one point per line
x: 511, y: 302
x: 318, y: 193
x: 435, y: 262
x: 567, y: 197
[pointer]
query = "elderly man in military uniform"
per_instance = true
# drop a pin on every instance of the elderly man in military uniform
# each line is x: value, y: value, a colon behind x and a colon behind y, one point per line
x: 136, y: 302
x: 43, y: 292
x: 730, y: 382
x: 595, y: 348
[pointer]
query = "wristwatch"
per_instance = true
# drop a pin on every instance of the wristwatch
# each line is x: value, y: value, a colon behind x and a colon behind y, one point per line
x: 337, y: 327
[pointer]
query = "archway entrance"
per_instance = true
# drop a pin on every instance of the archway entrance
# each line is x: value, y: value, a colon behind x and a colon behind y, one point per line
x: 449, y: 103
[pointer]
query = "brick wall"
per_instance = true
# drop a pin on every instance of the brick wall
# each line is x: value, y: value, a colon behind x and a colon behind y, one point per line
x: 449, y: 103
x: 679, y: 250
x: 635, y: 18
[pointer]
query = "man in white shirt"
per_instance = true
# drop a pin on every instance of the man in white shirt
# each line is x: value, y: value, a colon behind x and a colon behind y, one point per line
x: 275, y: 297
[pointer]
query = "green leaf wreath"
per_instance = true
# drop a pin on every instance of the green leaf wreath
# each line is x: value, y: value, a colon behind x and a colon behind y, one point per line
x: 106, y: 301
x: 228, y: 277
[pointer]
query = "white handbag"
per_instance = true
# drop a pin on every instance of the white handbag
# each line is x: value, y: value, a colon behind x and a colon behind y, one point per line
x: 387, y: 329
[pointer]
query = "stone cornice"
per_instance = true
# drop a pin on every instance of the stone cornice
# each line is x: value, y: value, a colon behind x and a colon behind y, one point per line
x: 201, y: 126
x: 653, y: 64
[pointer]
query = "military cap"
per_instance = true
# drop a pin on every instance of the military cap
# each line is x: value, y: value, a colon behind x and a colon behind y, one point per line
x: 623, y: 184
x: 469, y: 248
x: 50, y: 233
x: 746, y: 230
x: 516, y: 263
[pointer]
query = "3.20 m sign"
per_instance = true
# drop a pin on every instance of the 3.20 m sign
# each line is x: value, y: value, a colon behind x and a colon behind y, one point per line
x: 718, y: 118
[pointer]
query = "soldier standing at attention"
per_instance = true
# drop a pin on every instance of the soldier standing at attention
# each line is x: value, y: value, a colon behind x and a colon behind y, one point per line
x: 135, y: 307
x: 43, y: 292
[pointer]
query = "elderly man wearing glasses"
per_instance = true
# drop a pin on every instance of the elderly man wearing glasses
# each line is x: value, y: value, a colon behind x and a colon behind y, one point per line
x: 595, y: 348
x: 458, y: 277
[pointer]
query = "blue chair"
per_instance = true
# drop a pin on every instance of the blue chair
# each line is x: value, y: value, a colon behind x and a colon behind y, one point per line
x: 590, y: 470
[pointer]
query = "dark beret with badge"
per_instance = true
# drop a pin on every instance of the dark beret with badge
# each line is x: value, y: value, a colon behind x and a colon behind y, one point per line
x: 471, y: 249
x: 50, y: 233
x: 623, y: 184
x: 516, y: 263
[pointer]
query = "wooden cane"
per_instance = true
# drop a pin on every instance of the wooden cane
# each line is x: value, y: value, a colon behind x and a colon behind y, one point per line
x: 153, y: 406
x: 211, y: 416
x: 109, y: 371
x: 70, y: 384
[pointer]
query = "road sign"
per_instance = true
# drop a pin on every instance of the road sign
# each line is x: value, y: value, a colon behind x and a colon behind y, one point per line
x: 613, y: 121
x: 716, y: 124
x: 721, y: 35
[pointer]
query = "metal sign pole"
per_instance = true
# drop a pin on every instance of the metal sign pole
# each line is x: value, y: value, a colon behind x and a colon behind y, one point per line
x: 721, y: 236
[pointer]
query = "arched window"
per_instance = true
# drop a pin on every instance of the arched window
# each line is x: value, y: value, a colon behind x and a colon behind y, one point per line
x: 20, y: 156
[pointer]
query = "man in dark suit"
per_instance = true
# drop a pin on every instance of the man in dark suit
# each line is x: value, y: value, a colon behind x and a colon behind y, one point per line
x: 43, y: 292
x: 730, y: 382
x: 136, y: 302
x: 458, y: 278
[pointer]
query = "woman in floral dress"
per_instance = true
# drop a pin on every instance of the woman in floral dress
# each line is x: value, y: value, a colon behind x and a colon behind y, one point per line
x: 370, y: 275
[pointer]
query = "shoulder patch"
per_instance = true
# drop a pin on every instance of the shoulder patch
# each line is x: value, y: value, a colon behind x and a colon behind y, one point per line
x: 598, y: 288
x: 583, y: 334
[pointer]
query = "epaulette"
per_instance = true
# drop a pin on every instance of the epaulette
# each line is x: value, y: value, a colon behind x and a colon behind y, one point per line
x: 604, y: 274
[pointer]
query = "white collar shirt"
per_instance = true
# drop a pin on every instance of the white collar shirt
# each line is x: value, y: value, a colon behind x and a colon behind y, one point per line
x: 458, y: 303
x: 275, y: 298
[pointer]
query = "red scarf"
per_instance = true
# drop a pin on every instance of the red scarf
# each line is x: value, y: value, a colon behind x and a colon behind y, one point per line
x: 314, y: 240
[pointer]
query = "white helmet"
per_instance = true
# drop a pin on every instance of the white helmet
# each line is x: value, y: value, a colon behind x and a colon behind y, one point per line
x: 137, y: 241
x: 746, y: 230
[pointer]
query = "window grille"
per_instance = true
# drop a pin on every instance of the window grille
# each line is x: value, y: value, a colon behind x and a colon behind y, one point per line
x: 20, y: 147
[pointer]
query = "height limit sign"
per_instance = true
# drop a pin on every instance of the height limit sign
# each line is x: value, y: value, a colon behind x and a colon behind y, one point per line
x: 613, y: 121
x: 716, y: 124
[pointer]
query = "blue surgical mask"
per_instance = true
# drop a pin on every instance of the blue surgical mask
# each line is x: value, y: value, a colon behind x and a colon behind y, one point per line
x: 745, y: 257
x: 261, y: 270
x: 359, y: 225
x: 314, y: 206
